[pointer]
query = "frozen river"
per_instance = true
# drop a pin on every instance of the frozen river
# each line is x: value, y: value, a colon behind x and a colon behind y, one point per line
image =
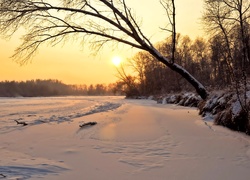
x: 132, y: 140
x: 52, y: 109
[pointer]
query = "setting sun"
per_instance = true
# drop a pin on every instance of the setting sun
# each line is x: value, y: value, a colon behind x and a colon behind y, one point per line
x: 74, y: 63
x: 116, y: 60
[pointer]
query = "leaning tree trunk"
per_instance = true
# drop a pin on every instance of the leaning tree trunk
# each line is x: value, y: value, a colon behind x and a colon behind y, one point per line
x: 47, y: 26
x: 200, y: 89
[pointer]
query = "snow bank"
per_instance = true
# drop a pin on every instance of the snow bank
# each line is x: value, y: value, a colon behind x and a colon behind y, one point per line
x: 223, y: 108
x: 183, y: 99
x: 226, y: 108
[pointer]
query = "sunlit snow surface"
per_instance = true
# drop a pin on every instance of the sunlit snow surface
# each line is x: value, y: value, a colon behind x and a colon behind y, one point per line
x: 35, y: 111
x: 20, y: 166
x: 133, y: 139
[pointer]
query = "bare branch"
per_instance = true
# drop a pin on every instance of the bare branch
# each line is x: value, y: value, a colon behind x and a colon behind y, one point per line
x: 104, y: 20
x: 169, y: 6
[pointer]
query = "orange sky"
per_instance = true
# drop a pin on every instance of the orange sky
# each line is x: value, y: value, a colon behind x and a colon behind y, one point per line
x: 74, y: 65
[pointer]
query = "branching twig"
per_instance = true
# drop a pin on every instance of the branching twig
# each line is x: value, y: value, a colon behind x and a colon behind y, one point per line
x: 169, y: 6
x: 3, y: 175
x: 20, y: 122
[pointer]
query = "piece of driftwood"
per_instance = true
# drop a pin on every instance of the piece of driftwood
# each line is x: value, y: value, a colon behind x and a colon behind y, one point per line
x: 21, y: 122
x: 88, y: 124
x: 3, y: 175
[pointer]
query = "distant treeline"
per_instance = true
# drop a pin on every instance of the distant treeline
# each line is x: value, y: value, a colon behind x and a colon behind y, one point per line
x: 34, y: 88
x: 205, y: 60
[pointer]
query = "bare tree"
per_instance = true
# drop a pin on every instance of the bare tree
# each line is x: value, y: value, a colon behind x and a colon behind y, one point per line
x: 230, y: 18
x: 128, y: 82
x: 138, y: 64
x: 101, y: 20
x: 220, y: 74
x: 169, y: 6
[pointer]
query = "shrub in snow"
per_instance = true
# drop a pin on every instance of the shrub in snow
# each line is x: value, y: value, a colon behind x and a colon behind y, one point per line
x: 150, y: 97
x: 239, y: 117
x: 211, y: 103
x: 187, y: 99
x: 227, y: 110
x: 222, y: 103
x: 192, y: 100
x: 238, y: 122
x: 158, y: 99
x: 223, y: 106
x: 173, y: 99
x: 183, y: 100
x: 229, y: 113
x: 224, y: 118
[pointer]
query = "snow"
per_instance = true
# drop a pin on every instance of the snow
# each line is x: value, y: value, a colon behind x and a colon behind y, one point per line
x: 172, y: 99
x: 236, y: 108
x: 35, y: 111
x: 133, y: 139
x: 211, y: 103
x: 248, y: 94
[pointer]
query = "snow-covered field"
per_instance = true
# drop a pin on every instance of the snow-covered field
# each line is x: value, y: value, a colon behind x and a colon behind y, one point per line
x: 132, y: 140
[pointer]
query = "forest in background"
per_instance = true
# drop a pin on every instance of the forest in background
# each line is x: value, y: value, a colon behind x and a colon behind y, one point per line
x: 205, y: 59
x: 43, y: 88
x: 220, y: 60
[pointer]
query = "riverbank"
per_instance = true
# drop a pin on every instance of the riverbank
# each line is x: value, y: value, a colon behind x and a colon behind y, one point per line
x: 223, y: 108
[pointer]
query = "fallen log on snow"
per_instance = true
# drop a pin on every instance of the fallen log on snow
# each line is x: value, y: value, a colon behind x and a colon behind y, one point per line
x: 20, y: 122
x: 87, y: 124
x: 2, y: 175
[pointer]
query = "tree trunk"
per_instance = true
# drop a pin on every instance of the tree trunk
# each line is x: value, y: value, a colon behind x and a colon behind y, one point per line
x: 200, y: 89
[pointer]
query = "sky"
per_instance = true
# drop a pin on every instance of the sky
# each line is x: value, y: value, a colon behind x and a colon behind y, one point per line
x: 73, y: 64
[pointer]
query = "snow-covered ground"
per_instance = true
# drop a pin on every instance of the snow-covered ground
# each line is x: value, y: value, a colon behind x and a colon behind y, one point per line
x: 132, y: 140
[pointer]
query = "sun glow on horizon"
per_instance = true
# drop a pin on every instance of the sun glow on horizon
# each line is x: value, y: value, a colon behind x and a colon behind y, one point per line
x: 74, y: 63
x: 116, y: 60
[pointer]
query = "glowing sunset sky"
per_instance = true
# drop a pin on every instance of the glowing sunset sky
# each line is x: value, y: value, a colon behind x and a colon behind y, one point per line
x: 74, y: 64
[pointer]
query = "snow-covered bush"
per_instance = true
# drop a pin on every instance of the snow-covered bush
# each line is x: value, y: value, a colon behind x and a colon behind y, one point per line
x: 223, y: 106
x: 227, y: 111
